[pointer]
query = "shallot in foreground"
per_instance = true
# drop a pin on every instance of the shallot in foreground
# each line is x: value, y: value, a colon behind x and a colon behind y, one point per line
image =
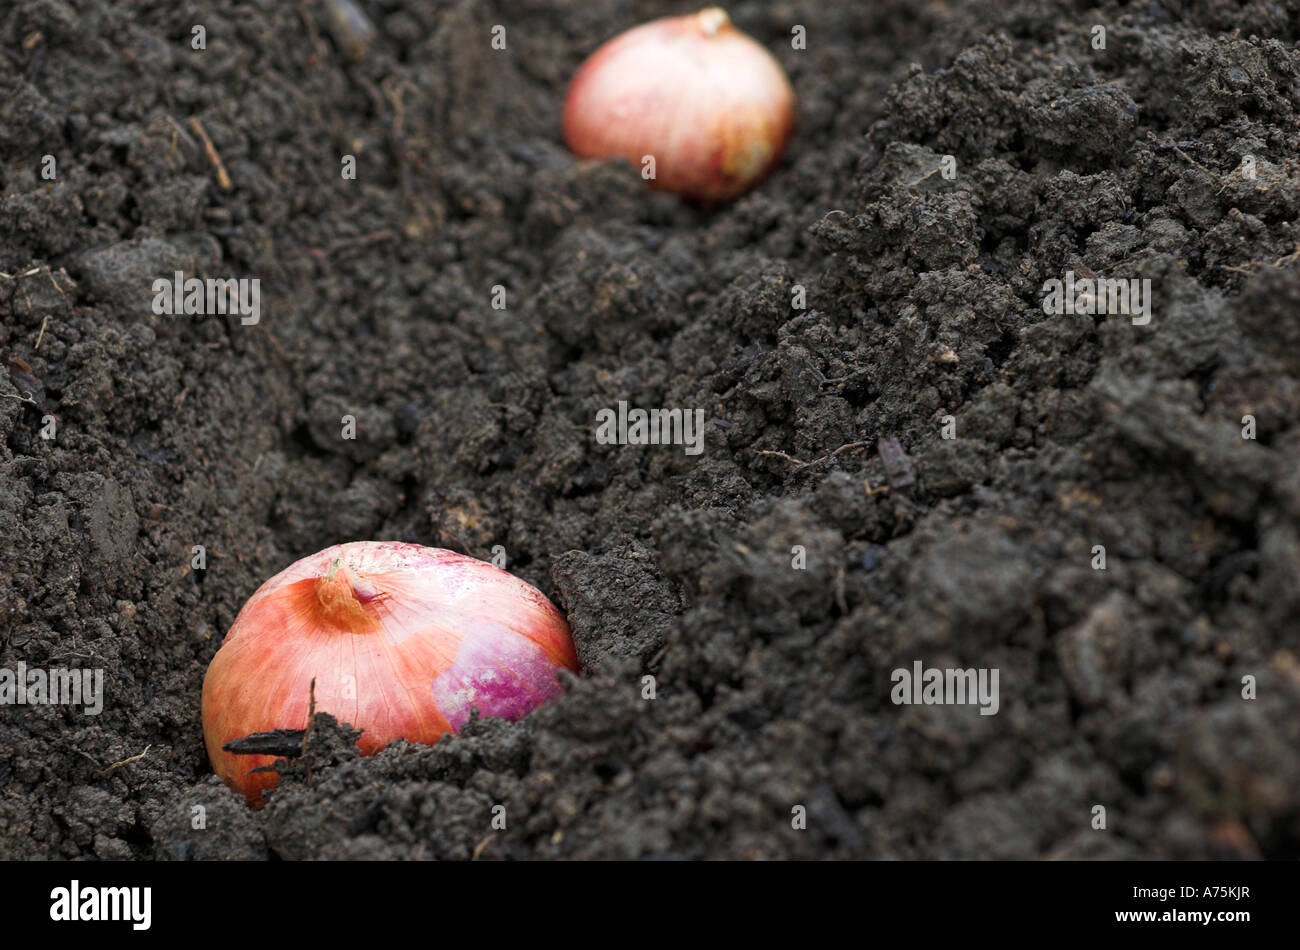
x: 401, y: 640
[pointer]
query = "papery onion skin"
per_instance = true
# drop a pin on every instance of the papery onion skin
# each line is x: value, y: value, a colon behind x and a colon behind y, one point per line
x: 711, y: 105
x: 402, y: 641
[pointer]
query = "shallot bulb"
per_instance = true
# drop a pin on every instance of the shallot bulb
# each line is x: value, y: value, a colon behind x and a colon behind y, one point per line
x: 691, y: 99
x: 401, y: 641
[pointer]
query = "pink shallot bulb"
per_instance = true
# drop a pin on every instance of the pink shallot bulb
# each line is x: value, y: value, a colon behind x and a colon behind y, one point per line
x: 703, y: 110
x: 402, y: 641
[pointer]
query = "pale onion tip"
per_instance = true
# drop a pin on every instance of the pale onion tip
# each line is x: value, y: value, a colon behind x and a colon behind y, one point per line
x: 713, y: 19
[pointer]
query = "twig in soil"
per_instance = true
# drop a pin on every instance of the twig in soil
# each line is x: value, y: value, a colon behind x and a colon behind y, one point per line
x: 306, y: 733
x: 478, y: 848
x: 50, y: 274
x: 654, y: 660
x: 26, y: 273
x: 38, y: 57
x: 845, y: 448
x: 825, y: 458
x: 781, y: 455
x: 419, y: 222
x: 181, y: 135
x: 464, y: 546
x: 73, y: 653
x: 361, y: 241
x: 393, y: 92
x: 279, y: 350
x: 313, y: 35
x: 1187, y: 158
x: 1294, y: 255
x: 117, y: 765
x: 32, y: 273
x: 223, y: 179
x: 930, y: 174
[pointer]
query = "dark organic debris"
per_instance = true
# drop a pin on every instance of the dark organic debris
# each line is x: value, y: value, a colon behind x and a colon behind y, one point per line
x: 286, y: 743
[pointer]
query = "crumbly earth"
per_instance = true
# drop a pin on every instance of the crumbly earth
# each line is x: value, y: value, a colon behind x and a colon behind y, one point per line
x: 1120, y: 688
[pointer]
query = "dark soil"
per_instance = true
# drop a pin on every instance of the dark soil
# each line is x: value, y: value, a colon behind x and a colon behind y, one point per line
x: 476, y: 427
